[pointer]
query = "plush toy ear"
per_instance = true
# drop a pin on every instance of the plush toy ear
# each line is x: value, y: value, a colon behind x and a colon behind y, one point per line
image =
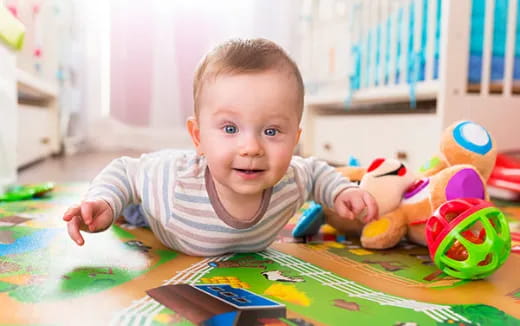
x: 466, y: 183
x: 466, y: 142
x: 460, y: 181
x: 375, y: 164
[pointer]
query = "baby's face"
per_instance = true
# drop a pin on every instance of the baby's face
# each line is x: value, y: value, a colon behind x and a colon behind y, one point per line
x: 249, y: 127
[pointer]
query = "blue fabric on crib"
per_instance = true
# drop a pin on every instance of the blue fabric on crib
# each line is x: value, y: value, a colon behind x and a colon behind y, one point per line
x: 516, y: 67
x: 499, y: 29
x: 416, y: 57
x: 498, y: 50
x: 497, y: 68
x: 499, y: 41
x: 416, y: 64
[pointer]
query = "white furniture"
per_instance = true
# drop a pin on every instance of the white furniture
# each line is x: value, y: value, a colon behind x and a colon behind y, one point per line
x: 37, y: 78
x: 38, y: 118
x: 375, y: 118
x: 8, y: 117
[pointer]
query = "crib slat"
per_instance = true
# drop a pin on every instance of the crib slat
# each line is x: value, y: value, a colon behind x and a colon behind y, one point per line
x: 510, y: 47
x: 384, y: 37
x: 364, y: 43
x: 417, y: 40
x: 376, y: 41
x: 488, y: 46
x: 430, y: 39
x: 370, y: 44
x: 355, y: 33
x: 393, y: 44
x: 404, y: 44
x: 373, y: 43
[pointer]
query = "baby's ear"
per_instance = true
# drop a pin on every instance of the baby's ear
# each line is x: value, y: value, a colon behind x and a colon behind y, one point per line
x: 193, y: 128
x: 298, y: 135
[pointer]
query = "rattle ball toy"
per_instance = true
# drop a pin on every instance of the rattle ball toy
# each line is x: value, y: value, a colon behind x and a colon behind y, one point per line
x: 468, y: 238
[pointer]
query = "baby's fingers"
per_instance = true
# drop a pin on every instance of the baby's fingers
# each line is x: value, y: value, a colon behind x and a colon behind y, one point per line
x: 371, y: 208
x: 73, y: 227
x: 71, y: 212
x: 344, y: 211
x: 86, y: 212
x: 357, y: 204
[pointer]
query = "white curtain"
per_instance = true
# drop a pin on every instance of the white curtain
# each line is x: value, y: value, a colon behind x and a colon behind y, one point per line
x: 153, y: 49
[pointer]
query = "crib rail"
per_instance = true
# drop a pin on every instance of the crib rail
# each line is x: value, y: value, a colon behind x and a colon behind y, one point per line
x: 487, y: 95
x: 499, y: 50
x: 396, y: 47
x: 401, y: 49
x: 513, y: 29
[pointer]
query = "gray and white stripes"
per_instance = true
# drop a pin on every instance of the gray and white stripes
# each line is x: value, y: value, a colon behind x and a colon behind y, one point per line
x: 171, y: 187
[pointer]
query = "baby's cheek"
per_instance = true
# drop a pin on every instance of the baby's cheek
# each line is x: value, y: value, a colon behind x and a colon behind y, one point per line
x: 282, y: 164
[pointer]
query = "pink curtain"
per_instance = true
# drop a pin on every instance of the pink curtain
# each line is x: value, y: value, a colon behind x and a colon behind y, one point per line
x: 193, y: 37
x: 132, y: 27
x: 156, y: 46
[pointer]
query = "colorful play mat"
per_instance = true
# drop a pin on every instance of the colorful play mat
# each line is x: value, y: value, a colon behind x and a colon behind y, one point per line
x: 126, y: 277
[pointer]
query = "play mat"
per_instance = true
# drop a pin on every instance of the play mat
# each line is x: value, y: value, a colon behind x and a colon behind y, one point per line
x: 326, y: 279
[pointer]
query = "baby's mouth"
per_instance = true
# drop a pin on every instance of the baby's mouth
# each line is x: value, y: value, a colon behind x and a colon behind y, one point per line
x: 249, y: 171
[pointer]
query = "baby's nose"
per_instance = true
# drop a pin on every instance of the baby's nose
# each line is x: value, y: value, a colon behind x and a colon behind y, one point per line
x: 251, y: 147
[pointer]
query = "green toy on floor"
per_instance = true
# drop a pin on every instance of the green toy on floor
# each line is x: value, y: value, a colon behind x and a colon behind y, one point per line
x: 23, y: 192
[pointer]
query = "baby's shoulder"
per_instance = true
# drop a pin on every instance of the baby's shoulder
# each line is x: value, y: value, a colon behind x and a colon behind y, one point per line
x: 181, y: 161
x: 167, y: 155
x: 300, y: 164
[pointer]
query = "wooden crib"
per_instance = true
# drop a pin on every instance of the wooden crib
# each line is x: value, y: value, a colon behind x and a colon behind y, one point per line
x: 415, y: 66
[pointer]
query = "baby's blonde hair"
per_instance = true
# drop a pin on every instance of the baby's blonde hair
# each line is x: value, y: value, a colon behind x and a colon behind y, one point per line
x: 245, y: 56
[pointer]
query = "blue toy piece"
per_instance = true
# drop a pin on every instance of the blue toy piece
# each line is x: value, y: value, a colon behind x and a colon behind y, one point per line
x: 352, y: 161
x: 310, y: 221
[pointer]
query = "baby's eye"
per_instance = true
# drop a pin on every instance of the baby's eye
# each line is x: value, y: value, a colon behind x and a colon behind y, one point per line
x: 270, y: 132
x: 230, y: 129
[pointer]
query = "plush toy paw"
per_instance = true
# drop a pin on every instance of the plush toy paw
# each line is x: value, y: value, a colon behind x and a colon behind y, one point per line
x: 385, y: 232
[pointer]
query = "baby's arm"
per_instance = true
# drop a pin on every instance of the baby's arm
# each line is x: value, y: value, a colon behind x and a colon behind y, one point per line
x: 113, y: 189
x: 319, y: 181
x: 326, y: 185
x: 119, y: 184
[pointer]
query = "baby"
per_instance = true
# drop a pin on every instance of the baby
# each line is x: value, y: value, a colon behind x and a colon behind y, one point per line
x: 242, y: 184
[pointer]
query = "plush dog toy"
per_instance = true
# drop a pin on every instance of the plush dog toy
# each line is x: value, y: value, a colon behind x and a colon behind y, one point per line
x: 406, y: 200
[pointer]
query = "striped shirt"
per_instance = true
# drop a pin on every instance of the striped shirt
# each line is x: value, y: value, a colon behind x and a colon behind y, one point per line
x: 178, y: 198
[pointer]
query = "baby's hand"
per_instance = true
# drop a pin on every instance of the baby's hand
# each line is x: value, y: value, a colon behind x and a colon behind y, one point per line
x: 352, y: 202
x: 90, y: 216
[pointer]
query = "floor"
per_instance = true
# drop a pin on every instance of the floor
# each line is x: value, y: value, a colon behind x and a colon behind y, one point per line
x: 331, y: 281
x: 47, y: 280
x: 78, y: 167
